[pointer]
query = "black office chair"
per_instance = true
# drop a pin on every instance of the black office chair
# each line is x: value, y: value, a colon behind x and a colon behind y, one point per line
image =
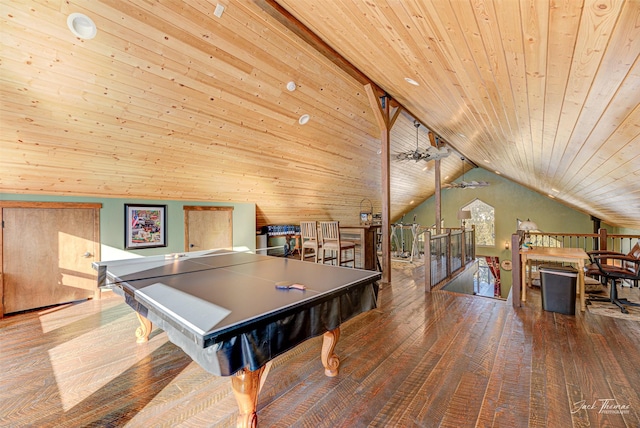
x: 592, y: 270
x: 629, y: 269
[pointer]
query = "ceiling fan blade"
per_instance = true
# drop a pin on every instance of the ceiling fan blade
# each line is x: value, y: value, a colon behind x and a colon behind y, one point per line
x: 413, y: 155
x: 476, y: 184
x: 466, y: 185
x: 405, y: 156
x: 431, y: 153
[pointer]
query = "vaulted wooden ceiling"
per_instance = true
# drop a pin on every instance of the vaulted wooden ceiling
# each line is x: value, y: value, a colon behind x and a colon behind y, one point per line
x: 169, y: 101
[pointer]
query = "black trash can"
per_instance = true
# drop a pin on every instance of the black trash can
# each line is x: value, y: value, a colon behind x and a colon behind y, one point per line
x: 558, y: 288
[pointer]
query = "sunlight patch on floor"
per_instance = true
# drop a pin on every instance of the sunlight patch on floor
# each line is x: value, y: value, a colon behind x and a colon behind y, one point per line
x: 52, y: 318
x: 75, y: 386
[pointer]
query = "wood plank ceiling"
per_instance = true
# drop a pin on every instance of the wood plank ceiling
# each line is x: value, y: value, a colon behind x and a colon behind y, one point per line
x: 170, y: 102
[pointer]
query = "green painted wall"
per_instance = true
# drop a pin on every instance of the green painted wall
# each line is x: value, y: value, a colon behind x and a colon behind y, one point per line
x: 511, y: 202
x: 112, y: 223
x: 624, y: 231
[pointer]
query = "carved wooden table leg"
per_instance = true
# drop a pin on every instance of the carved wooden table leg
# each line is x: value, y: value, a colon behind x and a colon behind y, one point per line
x: 330, y: 361
x: 143, y: 332
x: 246, y: 386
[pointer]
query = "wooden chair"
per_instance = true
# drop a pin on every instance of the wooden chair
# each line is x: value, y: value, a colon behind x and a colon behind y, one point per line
x: 330, y: 241
x: 309, y: 238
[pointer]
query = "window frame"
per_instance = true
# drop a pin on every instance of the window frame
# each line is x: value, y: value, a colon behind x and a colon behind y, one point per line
x: 473, y: 220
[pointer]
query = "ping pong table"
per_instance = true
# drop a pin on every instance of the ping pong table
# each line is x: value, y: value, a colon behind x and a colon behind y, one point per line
x: 233, y: 312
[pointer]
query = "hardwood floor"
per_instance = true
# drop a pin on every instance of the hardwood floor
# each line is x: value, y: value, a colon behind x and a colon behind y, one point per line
x: 419, y: 360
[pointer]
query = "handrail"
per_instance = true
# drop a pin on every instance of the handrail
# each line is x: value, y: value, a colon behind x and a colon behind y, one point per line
x: 447, y: 254
x: 442, y: 235
x: 602, y: 240
x: 587, y: 241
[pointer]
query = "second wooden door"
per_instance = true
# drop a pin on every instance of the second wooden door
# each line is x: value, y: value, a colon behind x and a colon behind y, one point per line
x: 208, y: 228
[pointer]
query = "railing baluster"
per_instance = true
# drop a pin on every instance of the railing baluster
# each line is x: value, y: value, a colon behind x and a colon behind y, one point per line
x: 586, y: 241
x: 446, y: 257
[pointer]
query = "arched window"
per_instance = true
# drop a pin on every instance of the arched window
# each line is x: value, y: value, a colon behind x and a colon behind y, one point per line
x: 483, y: 217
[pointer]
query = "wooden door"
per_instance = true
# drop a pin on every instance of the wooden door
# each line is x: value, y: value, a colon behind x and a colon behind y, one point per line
x: 206, y: 228
x: 47, y: 251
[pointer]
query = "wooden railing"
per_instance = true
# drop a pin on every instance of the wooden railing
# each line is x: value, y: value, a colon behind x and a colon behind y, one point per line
x: 447, y: 254
x: 587, y: 241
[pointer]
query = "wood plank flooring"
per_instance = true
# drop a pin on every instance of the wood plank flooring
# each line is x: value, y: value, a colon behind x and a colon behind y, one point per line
x: 419, y: 360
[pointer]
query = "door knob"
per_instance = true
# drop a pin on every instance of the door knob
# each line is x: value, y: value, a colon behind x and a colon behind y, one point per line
x: 87, y: 255
x: 191, y: 245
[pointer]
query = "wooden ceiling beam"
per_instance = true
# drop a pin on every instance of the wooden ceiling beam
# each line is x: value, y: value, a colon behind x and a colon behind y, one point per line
x: 282, y: 15
x: 292, y: 23
x: 384, y: 117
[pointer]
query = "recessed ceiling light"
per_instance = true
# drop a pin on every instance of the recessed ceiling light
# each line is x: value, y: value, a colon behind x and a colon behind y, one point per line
x: 498, y: 172
x: 551, y: 196
x: 304, y: 119
x: 81, y: 26
x: 411, y: 81
x: 487, y: 161
x: 462, y: 135
x: 291, y: 86
x: 554, y: 190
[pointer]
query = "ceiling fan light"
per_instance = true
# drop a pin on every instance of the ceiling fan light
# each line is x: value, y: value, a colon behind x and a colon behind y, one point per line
x: 430, y: 153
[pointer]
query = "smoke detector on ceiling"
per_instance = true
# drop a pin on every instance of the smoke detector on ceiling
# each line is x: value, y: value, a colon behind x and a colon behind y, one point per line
x: 218, y: 11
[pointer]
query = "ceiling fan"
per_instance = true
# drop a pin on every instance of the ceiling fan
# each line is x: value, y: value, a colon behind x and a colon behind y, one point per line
x: 465, y: 184
x: 430, y: 153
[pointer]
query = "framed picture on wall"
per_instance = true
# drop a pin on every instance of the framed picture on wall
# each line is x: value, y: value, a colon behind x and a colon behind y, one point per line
x: 145, y: 226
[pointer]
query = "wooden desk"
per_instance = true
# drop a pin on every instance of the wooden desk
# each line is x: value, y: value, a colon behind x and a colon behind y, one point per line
x: 575, y: 256
x: 365, y: 238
